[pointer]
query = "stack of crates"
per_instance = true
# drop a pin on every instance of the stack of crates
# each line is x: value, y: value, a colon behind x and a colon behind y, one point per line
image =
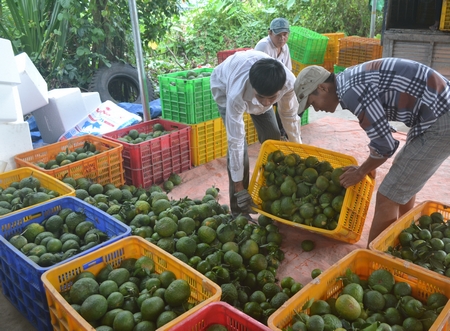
x: 332, y: 51
x: 222, y: 55
x: 355, y: 50
x: 186, y: 98
x: 152, y: 161
x: 306, y: 47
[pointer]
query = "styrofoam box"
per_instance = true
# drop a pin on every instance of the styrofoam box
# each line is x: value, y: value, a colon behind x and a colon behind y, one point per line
x: 9, y: 103
x: 64, y: 110
x: 91, y: 101
x: 33, y: 90
x: 8, y: 68
x: 19, y: 134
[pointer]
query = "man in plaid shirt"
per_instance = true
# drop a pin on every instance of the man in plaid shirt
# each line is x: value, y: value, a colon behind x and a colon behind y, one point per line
x: 379, y: 91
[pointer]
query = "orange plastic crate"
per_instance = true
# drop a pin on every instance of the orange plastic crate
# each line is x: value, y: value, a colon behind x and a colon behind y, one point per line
x: 354, y: 50
x: 363, y: 262
x: 60, y: 279
x: 389, y: 237
x: 103, y: 168
x: 356, y: 201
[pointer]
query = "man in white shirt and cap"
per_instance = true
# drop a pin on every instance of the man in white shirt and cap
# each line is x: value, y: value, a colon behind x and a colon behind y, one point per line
x: 275, y: 45
x: 251, y: 82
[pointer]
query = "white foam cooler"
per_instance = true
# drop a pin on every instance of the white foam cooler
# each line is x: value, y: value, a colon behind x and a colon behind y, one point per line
x: 8, y: 69
x: 10, y: 108
x: 15, y: 138
x: 64, y: 110
x: 91, y: 101
x: 33, y: 90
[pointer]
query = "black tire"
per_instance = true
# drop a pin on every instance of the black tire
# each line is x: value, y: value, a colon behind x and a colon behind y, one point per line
x: 119, y: 83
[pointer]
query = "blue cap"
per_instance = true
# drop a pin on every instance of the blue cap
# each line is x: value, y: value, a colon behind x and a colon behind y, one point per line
x: 279, y: 25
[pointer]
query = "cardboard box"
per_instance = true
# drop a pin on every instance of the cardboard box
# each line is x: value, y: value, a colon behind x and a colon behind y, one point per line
x: 8, y: 68
x: 91, y: 101
x: 20, y: 134
x: 10, y: 109
x: 33, y: 90
x: 64, y: 110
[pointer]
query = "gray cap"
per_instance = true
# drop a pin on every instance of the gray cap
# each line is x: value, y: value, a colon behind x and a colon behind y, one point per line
x: 307, y: 82
x: 279, y: 25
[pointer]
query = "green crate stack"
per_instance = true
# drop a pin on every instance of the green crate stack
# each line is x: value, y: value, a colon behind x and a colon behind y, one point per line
x: 186, y: 96
x: 307, y: 46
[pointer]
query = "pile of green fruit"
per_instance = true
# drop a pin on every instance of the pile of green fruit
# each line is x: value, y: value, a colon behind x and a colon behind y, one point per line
x: 67, y: 157
x: 130, y: 297
x: 25, y: 193
x: 58, y: 237
x: 377, y: 303
x: 302, y: 190
x: 135, y: 137
x: 426, y: 243
x: 240, y: 256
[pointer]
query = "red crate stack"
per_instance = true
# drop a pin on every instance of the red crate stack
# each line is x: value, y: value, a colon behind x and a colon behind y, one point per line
x: 152, y: 161
x: 222, y: 55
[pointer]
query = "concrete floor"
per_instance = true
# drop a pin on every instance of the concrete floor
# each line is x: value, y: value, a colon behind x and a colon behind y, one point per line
x: 12, y: 320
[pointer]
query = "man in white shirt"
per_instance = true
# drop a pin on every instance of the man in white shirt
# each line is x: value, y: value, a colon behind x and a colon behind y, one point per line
x: 251, y: 82
x: 275, y: 45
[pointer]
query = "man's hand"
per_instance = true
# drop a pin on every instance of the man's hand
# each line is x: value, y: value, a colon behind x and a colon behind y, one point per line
x: 245, y: 202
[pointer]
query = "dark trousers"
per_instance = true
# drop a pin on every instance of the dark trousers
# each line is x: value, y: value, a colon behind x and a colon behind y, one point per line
x: 267, y: 128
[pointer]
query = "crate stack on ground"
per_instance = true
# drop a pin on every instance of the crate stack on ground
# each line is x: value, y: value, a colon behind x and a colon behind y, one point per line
x: 332, y: 51
x: 222, y: 55
x: 354, y: 50
x: 186, y: 98
x: 21, y: 277
x: 152, y: 161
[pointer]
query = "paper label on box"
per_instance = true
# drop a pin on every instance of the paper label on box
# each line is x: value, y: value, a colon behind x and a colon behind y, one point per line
x: 106, y: 118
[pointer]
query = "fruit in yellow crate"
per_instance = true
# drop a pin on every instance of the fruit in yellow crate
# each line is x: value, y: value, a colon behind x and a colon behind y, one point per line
x: 307, y: 245
x: 315, y: 272
x: 382, y: 277
x: 347, y: 307
x: 94, y: 307
x: 124, y: 321
x: 177, y: 293
x: 82, y: 289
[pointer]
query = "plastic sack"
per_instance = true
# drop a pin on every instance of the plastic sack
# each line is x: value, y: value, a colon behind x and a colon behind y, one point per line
x: 138, y: 109
x: 106, y: 118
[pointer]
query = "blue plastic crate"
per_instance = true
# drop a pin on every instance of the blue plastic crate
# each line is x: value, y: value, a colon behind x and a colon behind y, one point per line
x: 21, y: 278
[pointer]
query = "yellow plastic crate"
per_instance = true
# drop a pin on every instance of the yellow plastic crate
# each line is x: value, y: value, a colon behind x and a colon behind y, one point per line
x: 59, y: 279
x: 332, y: 51
x: 297, y: 67
x: 46, y: 181
x: 208, y: 141
x: 103, y: 168
x: 363, y: 262
x: 356, y: 200
x: 444, y: 24
x: 389, y: 237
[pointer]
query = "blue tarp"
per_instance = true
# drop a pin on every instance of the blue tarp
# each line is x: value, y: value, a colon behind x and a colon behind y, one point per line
x: 155, y: 111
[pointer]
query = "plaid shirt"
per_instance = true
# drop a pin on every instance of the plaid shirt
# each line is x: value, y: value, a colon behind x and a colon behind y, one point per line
x: 391, y: 89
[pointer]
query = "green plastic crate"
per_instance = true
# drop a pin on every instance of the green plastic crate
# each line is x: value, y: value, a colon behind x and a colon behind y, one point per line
x: 338, y: 69
x: 185, y: 100
x: 305, y: 117
x: 307, y: 46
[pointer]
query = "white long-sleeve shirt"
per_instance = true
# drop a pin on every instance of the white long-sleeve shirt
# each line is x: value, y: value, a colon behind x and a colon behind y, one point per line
x: 231, y: 89
x: 267, y: 46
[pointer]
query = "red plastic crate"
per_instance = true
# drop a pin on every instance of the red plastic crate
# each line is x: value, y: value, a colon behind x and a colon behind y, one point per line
x: 152, y: 161
x: 222, y: 55
x: 355, y: 50
x: 219, y: 313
